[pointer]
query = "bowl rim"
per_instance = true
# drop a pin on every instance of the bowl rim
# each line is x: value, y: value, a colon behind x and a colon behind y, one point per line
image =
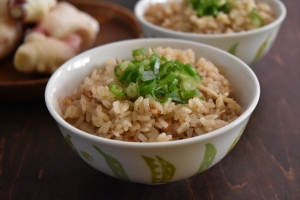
x: 246, y: 113
x: 275, y: 23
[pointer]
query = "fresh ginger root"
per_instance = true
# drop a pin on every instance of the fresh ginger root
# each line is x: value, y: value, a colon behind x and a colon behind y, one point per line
x: 61, y: 32
x: 43, y: 54
x: 30, y: 11
x: 10, y: 32
x: 66, y: 18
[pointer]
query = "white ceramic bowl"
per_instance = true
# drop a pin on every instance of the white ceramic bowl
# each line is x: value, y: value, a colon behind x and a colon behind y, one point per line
x: 175, y: 160
x: 251, y: 45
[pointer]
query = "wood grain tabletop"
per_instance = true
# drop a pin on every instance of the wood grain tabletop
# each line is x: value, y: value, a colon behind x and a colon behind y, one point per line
x: 36, y: 163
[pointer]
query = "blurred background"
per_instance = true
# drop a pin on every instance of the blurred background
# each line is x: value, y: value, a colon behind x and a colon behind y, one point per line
x: 126, y: 3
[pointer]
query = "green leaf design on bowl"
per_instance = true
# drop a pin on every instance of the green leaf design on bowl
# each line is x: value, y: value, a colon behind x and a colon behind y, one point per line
x: 162, y: 173
x: 261, y: 50
x: 86, y: 155
x: 115, y: 166
x: 236, y: 139
x: 69, y: 141
x: 209, y: 156
x: 233, y: 48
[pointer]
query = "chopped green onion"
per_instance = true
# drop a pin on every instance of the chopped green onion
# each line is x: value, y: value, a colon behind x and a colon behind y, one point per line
x: 175, y: 97
x: 141, y: 67
x: 147, y: 75
x: 156, y: 66
x: 190, y: 70
x: 221, y: 2
x: 257, y: 21
x: 190, y: 94
x: 156, y: 76
x: 164, y: 86
x: 174, y: 82
x: 166, y: 67
x: 146, y: 62
x: 163, y: 59
x: 169, y: 78
x: 139, y: 54
x: 160, y: 94
x: 125, y: 64
x: 225, y: 8
x: 209, y: 7
x: 173, y: 88
x: 129, y: 75
x: 202, y: 98
x: 118, y: 71
x: 188, y: 84
x: 132, y: 90
x: 147, y: 87
x: 117, y: 90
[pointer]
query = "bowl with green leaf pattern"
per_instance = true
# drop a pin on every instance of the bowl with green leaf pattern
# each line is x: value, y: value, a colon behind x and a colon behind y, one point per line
x: 246, y: 29
x: 166, y: 130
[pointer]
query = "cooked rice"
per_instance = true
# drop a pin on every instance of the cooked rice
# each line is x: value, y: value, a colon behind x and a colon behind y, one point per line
x: 94, y: 109
x: 176, y: 15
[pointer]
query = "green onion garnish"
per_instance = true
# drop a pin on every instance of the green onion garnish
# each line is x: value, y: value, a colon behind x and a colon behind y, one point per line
x: 190, y: 94
x: 117, y: 90
x: 160, y: 94
x: 156, y: 76
x: 188, y: 84
x: 169, y: 78
x: 147, y: 75
x: 209, y: 7
x: 139, y: 54
x: 190, y: 70
x: 132, y: 90
x: 147, y: 87
x: 257, y: 21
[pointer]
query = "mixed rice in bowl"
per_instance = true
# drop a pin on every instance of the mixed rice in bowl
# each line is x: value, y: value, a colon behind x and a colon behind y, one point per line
x: 245, y: 28
x: 210, y: 16
x: 159, y: 134
x: 93, y: 108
